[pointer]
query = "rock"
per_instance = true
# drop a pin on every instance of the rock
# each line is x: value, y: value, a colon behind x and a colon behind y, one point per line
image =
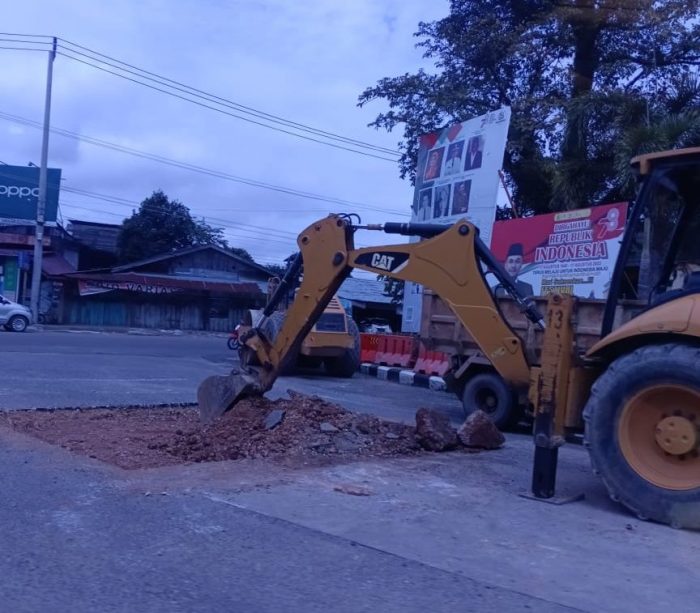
x: 433, y: 431
x: 347, y: 442
x: 353, y: 490
x: 392, y: 436
x: 319, y: 444
x: 274, y: 418
x: 327, y: 427
x: 479, y: 431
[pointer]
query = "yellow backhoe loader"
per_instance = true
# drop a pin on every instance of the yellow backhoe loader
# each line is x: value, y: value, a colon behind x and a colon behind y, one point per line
x: 635, y: 393
x: 334, y: 339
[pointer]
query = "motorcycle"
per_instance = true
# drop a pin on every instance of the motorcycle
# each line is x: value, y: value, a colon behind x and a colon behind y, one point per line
x: 233, y: 342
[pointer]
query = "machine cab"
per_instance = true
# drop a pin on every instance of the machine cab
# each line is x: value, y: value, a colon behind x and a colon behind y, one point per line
x: 659, y: 259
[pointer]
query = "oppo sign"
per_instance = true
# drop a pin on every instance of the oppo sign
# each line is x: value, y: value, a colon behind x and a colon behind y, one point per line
x: 19, y: 194
x: 16, y: 191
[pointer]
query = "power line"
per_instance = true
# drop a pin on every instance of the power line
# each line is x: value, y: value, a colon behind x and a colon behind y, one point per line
x: 215, y: 221
x: 241, y: 107
x: 191, y: 167
x: 26, y: 35
x: 21, y: 49
x: 30, y: 42
x: 266, y: 230
x: 222, y: 111
x: 131, y: 203
x: 125, y: 67
x: 256, y: 237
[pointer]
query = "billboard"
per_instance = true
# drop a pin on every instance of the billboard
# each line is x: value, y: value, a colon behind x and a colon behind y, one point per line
x: 457, y: 178
x: 19, y: 194
x: 572, y: 252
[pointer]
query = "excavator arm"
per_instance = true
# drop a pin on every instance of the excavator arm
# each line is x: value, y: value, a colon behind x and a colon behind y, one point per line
x: 448, y: 261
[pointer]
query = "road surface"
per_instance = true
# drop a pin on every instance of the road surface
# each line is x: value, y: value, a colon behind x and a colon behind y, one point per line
x: 53, y: 369
x: 435, y: 533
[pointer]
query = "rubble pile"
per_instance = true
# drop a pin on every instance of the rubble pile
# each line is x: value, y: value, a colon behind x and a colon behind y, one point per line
x: 298, y: 430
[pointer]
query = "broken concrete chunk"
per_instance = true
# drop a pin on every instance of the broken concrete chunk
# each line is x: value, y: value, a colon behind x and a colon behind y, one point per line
x: 274, y: 419
x: 433, y: 431
x: 479, y: 431
x: 353, y: 490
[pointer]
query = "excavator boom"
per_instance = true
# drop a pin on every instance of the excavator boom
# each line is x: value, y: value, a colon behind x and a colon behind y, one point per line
x: 448, y: 260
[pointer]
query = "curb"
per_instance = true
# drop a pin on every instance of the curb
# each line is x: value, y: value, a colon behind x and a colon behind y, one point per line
x: 123, y: 330
x: 404, y: 377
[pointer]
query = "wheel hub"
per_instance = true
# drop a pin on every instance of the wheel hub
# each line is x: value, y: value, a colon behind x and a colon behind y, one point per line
x: 676, y: 435
x: 659, y: 438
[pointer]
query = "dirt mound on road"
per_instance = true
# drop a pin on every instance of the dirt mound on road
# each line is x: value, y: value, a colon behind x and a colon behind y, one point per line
x: 302, y: 429
x: 302, y: 426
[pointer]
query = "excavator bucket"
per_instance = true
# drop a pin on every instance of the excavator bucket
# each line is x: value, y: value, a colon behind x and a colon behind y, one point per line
x: 218, y: 394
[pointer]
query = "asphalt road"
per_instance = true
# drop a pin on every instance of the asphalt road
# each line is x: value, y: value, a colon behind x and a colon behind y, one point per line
x: 52, y: 369
x: 91, y: 544
x: 444, y: 532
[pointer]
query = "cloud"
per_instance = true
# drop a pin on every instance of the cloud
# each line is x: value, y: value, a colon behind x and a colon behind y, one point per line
x: 306, y: 61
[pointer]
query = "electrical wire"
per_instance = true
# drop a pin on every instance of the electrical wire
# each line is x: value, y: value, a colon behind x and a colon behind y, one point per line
x: 214, y: 220
x: 21, y: 49
x: 194, y: 168
x: 244, y: 237
x: 222, y: 111
x: 225, y: 101
x: 30, y: 42
x: 120, y: 65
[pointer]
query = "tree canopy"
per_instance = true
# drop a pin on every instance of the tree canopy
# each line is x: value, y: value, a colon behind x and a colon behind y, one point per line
x: 588, y: 81
x: 161, y: 225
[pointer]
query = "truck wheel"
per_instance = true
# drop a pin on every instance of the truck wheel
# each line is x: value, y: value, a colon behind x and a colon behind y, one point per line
x: 489, y: 393
x: 643, y: 433
x: 271, y: 328
x: 17, y: 323
x: 346, y: 365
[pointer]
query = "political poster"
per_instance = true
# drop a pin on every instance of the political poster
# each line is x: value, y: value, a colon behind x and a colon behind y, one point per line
x: 572, y: 252
x: 457, y: 178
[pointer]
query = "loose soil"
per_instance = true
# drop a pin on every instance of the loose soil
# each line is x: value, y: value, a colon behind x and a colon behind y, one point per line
x: 312, y: 431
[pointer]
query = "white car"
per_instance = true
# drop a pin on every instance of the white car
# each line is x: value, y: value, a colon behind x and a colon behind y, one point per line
x: 13, y: 316
x: 376, y: 325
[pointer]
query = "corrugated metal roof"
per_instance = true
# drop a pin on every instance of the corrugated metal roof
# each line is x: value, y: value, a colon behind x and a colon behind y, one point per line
x: 363, y: 290
x: 189, y: 250
x: 55, y: 265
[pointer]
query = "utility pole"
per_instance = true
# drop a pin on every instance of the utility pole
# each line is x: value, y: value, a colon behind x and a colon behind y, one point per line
x: 41, y: 204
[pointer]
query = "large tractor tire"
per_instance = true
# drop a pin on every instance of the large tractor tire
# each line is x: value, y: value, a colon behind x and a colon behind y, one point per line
x: 489, y: 393
x: 346, y: 365
x: 643, y: 432
x: 271, y: 328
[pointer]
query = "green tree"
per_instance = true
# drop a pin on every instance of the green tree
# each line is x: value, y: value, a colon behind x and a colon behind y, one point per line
x: 241, y: 253
x: 277, y: 270
x: 567, y: 68
x: 393, y: 288
x: 161, y: 225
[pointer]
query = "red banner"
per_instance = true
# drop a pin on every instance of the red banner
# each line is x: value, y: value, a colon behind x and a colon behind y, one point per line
x: 572, y: 252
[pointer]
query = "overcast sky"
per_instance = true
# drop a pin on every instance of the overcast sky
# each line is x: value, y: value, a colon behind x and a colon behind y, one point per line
x: 306, y: 61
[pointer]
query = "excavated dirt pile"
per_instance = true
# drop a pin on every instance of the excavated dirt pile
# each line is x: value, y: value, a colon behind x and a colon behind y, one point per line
x: 300, y: 426
x: 299, y: 429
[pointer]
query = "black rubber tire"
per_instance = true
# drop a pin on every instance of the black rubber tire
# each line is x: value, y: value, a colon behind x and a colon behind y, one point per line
x: 17, y: 323
x: 490, y: 393
x: 626, y: 376
x: 233, y: 344
x: 271, y: 328
x: 348, y: 364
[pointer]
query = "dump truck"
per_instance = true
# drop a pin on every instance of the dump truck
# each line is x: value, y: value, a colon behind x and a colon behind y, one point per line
x: 633, y: 391
x: 472, y: 376
x: 333, y: 341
